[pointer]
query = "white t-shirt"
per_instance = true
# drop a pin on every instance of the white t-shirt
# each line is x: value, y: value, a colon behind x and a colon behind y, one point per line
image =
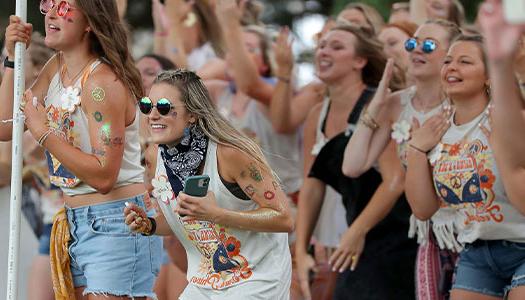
x: 239, y: 262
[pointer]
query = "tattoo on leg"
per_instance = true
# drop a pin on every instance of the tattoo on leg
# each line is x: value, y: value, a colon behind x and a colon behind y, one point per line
x: 98, y: 116
x: 250, y: 190
x: 269, y: 195
x: 255, y: 174
x: 98, y: 94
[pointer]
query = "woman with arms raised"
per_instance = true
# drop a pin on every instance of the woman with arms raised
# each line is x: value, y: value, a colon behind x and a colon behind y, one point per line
x: 82, y: 109
x: 236, y: 236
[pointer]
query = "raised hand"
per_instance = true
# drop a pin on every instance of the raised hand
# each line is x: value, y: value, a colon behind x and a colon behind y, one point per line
x: 178, y: 10
x: 17, y: 31
x: 161, y: 21
x: 282, y: 50
x: 501, y: 38
x: 382, y: 92
x: 229, y: 11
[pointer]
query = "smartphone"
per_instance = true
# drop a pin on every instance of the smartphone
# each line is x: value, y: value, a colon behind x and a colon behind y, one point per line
x: 514, y: 11
x: 197, y: 186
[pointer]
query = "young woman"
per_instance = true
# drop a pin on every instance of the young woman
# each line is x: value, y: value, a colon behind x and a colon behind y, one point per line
x: 235, y: 237
x: 398, y: 110
x: 452, y: 168
x: 82, y: 109
x: 349, y: 62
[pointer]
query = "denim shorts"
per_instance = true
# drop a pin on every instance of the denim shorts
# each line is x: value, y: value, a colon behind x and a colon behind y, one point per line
x: 45, y: 239
x: 106, y: 257
x: 491, y: 267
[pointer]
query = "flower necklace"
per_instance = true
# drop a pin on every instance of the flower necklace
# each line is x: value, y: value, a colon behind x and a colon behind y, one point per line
x: 70, y: 98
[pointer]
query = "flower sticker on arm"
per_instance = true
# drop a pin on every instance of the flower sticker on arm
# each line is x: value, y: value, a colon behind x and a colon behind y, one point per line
x: 70, y: 99
x: 401, y: 131
x: 162, y: 190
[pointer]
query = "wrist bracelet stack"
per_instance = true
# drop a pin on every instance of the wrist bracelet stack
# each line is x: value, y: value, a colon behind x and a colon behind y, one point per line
x: 44, y: 137
x: 152, y: 229
x: 367, y: 120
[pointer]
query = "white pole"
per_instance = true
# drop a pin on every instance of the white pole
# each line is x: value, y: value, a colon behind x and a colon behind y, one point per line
x: 16, y: 173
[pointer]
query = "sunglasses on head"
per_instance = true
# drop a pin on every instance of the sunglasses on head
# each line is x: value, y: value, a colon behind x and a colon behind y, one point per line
x: 163, y: 106
x: 428, y: 46
x: 62, y: 7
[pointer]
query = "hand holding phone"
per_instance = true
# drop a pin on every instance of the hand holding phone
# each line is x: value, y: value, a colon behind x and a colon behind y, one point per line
x: 197, y: 186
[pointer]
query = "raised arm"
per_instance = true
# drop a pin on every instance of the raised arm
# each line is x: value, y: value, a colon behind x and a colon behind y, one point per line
x: 106, y: 120
x: 353, y: 240
x: 373, y: 131
x: 245, y: 72
x: 288, y: 112
x: 508, y: 113
x: 176, y: 11
x: 257, y: 182
x: 15, y: 32
x: 419, y: 185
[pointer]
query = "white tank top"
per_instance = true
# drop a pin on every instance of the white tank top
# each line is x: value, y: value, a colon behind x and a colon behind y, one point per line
x: 74, y: 128
x: 408, y: 113
x: 332, y: 219
x: 221, y: 257
x: 282, y: 151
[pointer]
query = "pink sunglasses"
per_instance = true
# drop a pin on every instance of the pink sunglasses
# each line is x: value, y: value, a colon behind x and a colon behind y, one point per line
x: 62, y: 8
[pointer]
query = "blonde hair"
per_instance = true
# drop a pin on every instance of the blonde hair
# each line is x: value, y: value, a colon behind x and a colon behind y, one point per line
x: 197, y: 101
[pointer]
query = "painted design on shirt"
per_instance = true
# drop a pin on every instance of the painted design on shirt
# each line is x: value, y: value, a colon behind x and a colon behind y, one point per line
x: 61, y: 121
x: 464, y: 180
x: 222, y: 265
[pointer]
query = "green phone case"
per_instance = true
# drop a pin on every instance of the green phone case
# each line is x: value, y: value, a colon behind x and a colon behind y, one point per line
x: 197, y: 186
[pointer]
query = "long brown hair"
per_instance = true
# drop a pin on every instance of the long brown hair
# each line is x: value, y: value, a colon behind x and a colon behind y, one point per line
x: 210, y: 29
x: 197, y: 101
x: 108, y: 39
x: 369, y: 48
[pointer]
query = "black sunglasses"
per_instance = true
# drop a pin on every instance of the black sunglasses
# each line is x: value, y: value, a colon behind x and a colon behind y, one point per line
x: 163, y: 106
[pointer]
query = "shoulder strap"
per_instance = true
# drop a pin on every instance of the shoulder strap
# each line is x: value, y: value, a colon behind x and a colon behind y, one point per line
x: 361, y: 103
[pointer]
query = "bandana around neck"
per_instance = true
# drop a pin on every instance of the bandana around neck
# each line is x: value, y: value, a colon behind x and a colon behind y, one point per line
x: 183, y: 160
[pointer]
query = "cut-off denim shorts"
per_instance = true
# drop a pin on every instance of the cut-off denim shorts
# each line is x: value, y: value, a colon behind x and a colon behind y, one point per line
x: 106, y: 257
x: 491, y: 267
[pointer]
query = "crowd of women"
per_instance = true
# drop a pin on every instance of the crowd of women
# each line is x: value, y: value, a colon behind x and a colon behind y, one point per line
x: 202, y: 170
